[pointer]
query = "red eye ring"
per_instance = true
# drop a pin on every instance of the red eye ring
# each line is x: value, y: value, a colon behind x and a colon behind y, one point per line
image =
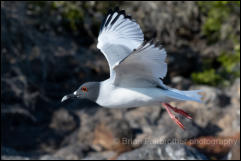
x: 84, y: 89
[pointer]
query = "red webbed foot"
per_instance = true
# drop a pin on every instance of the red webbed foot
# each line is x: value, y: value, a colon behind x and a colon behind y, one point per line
x: 181, y: 112
x: 173, y: 117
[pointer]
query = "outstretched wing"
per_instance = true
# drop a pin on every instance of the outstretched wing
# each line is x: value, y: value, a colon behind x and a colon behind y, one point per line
x: 143, y: 67
x: 119, y: 36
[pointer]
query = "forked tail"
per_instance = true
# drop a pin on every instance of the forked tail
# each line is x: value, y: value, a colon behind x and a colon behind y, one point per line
x: 192, y: 95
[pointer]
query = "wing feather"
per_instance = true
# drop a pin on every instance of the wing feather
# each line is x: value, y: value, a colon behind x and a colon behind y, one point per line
x: 143, y: 67
x: 119, y: 36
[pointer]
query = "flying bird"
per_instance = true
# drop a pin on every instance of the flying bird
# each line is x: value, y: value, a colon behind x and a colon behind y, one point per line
x: 137, y: 68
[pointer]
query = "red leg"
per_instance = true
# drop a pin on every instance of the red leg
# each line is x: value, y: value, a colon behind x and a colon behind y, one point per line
x: 178, y: 111
x: 173, y: 117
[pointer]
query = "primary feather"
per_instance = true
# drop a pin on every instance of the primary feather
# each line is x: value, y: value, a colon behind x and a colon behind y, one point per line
x: 119, y: 36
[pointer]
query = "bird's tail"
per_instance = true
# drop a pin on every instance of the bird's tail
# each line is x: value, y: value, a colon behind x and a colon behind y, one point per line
x: 192, y: 95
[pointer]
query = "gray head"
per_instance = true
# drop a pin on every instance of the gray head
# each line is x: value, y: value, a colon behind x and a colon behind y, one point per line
x: 89, y: 90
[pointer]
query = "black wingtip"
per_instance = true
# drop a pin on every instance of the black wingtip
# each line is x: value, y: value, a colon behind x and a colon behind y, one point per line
x: 147, y: 43
x: 129, y: 17
x: 104, y: 20
x: 117, y: 17
x: 111, y: 12
x: 110, y: 17
x: 122, y: 12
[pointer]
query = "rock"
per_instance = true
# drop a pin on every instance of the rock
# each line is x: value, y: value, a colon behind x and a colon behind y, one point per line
x: 8, y: 151
x: 11, y: 154
x: 50, y: 157
x: 234, y: 93
x: 180, y: 83
x: 111, y: 136
x: 230, y: 122
x: 5, y: 157
x: 163, y: 152
x: 107, y: 155
x: 235, y: 151
x: 216, y: 147
x: 143, y: 117
x: 72, y: 152
x: 63, y: 121
x: 168, y: 128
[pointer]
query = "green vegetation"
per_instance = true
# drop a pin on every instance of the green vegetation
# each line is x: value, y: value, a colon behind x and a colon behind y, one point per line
x: 74, y: 12
x: 208, y: 76
x: 217, y: 15
x: 230, y: 62
x: 229, y: 69
x: 71, y: 12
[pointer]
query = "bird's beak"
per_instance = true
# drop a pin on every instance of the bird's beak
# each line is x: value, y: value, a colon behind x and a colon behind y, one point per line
x: 68, y: 96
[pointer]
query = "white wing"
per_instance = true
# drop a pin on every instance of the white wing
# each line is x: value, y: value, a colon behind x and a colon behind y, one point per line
x: 143, y: 67
x: 119, y: 36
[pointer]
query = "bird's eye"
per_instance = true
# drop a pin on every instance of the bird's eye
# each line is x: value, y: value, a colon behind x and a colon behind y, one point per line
x: 84, y: 89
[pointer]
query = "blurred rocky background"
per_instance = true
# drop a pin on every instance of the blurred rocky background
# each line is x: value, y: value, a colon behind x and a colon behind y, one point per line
x: 49, y: 48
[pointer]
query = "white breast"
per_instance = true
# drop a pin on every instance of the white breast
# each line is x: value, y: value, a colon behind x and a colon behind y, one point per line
x: 117, y: 97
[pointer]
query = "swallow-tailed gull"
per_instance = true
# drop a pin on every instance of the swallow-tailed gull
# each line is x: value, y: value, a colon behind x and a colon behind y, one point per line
x: 137, y: 68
